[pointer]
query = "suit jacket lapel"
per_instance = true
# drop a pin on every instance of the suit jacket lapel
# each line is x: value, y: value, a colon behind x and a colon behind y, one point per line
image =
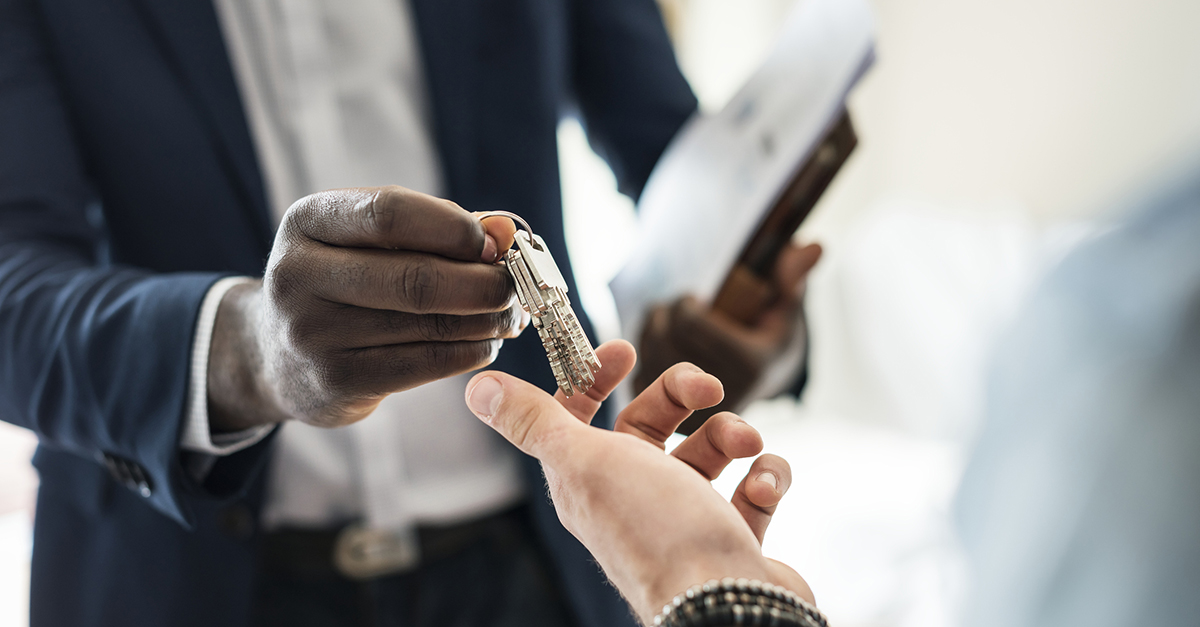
x: 190, y: 36
x: 450, y: 67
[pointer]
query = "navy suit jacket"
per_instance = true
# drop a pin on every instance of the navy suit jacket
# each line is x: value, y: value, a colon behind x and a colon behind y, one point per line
x: 128, y: 185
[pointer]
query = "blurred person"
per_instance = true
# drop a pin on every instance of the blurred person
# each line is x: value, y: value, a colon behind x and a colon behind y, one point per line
x: 1080, y: 507
x: 155, y: 154
x: 654, y: 522
x: 1080, y: 504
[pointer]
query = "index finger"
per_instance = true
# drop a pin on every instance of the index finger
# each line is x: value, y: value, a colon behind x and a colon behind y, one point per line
x: 720, y: 440
x: 617, y: 357
x: 392, y: 218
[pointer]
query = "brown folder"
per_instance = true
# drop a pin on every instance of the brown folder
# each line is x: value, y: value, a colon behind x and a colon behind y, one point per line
x: 748, y: 289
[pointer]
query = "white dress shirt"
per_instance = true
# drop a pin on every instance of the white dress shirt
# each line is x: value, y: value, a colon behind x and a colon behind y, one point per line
x: 335, y: 97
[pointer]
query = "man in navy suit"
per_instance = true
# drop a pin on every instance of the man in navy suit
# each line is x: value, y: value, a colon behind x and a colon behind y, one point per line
x: 136, y: 175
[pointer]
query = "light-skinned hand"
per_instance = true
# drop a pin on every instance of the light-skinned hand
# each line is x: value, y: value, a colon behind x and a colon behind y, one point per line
x: 652, y: 520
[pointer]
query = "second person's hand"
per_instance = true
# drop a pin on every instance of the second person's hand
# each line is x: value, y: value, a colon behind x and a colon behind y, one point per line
x: 652, y: 520
x: 737, y: 353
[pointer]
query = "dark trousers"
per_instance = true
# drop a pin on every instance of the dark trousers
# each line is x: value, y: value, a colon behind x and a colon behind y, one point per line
x: 498, y: 578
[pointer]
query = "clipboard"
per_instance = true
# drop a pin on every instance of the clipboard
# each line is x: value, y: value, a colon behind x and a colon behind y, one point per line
x: 730, y: 189
x: 733, y: 186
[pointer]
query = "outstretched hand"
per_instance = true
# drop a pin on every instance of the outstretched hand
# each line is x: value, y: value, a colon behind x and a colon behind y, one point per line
x: 652, y: 520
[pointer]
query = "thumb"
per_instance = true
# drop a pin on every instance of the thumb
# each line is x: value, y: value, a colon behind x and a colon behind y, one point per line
x: 526, y: 416
x: 793, y: 267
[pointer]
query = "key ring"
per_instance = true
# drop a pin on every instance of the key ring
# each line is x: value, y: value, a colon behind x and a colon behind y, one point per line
x: 508, y: 214
x: 542, y: 291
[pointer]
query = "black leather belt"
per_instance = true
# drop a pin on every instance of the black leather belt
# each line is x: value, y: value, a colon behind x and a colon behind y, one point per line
x: 355, y: 552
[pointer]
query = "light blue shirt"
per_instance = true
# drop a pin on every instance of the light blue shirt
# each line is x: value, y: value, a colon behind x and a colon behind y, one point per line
x: 1081, y: 506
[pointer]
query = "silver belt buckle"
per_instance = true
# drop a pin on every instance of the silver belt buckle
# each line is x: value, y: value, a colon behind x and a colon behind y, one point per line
x: 364, y: 553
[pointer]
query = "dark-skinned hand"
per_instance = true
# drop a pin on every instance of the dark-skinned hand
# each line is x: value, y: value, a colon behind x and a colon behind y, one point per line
x: 367, y: 292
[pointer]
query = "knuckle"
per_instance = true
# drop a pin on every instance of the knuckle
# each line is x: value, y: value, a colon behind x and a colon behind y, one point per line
x: 287, y: 277
x: 296, y: 215
x: 439, y: 328
x: 309, y: 218
x: 380, y: 215
x: 437, y: 360
x: 441, y: 359
x: 396, y: 323
x: 419, y: 282
x: 406, y: 370
x: 522, y: 432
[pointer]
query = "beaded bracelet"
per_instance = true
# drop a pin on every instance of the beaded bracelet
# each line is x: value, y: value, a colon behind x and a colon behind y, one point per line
x: 730, y: 602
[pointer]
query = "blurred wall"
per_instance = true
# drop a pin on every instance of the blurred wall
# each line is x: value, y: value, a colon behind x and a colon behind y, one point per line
x: 992, y: 134
x: 1055, y: 105
x: 989, y: 132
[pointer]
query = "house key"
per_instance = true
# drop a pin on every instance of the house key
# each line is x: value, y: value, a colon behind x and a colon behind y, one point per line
x: 542, y: 292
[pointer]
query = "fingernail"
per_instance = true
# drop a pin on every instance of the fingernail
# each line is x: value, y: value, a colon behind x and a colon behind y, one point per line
x: 489, y: 249
x: 770, y: 479
x: 484, y: 398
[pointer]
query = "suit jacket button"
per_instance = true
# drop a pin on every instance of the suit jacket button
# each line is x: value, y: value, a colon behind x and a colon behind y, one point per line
x: 139, y: 482
x: 116, y: 468
x: 129, y: 475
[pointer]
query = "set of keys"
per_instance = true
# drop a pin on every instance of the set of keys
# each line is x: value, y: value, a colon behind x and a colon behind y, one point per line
x: 542, y: 292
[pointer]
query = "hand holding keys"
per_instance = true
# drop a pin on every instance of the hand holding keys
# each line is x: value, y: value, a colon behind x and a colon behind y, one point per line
x: 542, y: 291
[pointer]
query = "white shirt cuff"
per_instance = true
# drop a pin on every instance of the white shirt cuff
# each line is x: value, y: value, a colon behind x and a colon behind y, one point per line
x: 196, y: 435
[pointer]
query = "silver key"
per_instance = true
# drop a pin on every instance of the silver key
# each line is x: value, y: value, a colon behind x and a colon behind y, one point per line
x: 542, y: 291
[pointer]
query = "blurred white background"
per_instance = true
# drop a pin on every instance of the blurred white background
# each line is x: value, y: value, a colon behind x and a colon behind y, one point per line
x: 18, y: 483
x: 992, y: 135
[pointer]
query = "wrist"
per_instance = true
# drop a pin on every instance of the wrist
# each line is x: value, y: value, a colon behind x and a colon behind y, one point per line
x: 663, y: 589
x: 729, y: 602
x: 239, y: 396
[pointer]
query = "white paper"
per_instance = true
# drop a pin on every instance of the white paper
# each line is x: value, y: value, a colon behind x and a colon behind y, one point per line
x: 723, y: 172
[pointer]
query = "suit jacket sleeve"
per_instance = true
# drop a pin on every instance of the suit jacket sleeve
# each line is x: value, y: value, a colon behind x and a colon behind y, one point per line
x: 93, y: 356
x: 631, y: 93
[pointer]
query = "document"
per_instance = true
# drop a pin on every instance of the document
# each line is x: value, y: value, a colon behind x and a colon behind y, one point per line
x: 722, y: 173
